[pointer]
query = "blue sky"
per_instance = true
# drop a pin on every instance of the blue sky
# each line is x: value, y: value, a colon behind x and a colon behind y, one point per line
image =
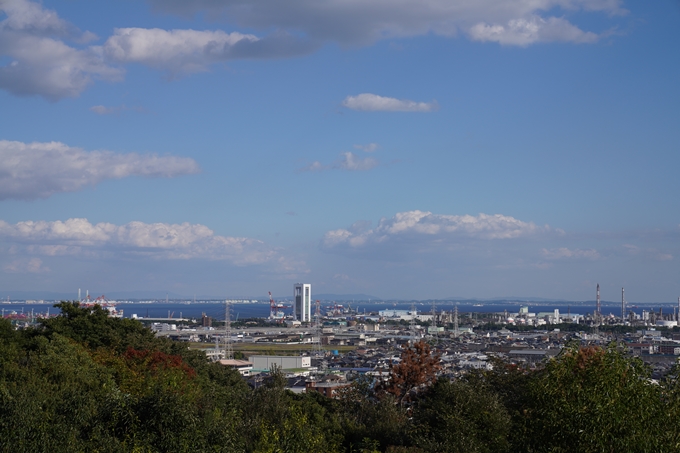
x: 403, y: 149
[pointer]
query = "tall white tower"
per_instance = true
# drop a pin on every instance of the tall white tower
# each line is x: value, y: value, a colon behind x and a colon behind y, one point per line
x: 302, y: 302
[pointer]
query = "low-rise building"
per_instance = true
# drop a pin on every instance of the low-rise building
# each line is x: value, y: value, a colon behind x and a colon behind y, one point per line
x: 266, y: 362
x: 242, y: 366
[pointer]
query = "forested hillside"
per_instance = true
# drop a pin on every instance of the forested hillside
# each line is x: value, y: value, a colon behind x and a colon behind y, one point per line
x: 86, y: 382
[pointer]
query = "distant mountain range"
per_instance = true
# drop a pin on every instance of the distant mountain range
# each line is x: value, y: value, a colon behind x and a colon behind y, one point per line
x: 345, y: 297
x: 54, y: 295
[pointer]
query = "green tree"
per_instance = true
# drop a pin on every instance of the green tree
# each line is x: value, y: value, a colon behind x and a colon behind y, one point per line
x: 461, y: 416
x: 94, y: 328
x: 592, y: 399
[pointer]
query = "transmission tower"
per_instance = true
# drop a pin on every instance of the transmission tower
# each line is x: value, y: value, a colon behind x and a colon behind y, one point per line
x: 412, y: 322
x: 434, y: 321
x: 456, y: 331
x: 228, y: 351
x: 318, y: 350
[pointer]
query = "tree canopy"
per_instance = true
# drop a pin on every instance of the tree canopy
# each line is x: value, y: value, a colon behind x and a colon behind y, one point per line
x: 84, y: 381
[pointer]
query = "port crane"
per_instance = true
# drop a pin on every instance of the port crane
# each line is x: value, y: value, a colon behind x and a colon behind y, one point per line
x: 275, y: 310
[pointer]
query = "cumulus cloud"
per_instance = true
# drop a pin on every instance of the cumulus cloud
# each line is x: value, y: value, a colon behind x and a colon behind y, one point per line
x: 566, y: 253
x: 646, y: 252
x: 428, y: 228
x: 39, y: 170
x: 315, y: 166
x: 32, y: 39
x: 368, y: 102
x: 103, y: 110
x: 177, y: 50
x: 525, y: 31
x: 348, y: 161
x: 371, y: 147
x: 48, y: 56
x: 32, y: 265
x: 188, y: 51
x: 138, y: 239
x: 352, y: 162
x: 367, y: 21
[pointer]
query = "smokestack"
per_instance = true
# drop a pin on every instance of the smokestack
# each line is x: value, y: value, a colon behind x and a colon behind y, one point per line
x: 599, y: 308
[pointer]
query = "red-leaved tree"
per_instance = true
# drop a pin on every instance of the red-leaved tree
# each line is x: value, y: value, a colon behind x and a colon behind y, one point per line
x: 417, y: 369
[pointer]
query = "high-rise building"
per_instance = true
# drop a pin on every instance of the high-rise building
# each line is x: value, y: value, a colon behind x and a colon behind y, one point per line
x: 302, y: 303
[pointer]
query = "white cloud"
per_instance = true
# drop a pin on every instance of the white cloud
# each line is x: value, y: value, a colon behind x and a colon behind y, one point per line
x: 368, y: 102
x: 315, y: 166
x: 367, y: 21
x: 138, y: 239
x: 369, y: 148
x: 566, y: 253
x: 103, y: 110
x: 349, y: 162
x: 352, y: 162
x: 649, y: 253
x: 427, y: 228
x: 34, y: 39
x: 41, y: 63
x: 188, y: 51
x: 39, y: 170
x: 32, y: 265
x: 525, y: 31
x: 176, y: 50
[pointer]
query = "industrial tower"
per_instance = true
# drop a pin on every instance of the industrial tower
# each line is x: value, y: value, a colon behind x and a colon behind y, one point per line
x: 228, y: 351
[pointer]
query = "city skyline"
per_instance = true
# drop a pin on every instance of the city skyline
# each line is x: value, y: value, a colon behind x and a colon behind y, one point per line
x: 412, y: 150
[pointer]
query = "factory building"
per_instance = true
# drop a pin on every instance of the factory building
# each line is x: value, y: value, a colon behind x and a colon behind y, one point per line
x: 302, y: 302
x: 265, y: 362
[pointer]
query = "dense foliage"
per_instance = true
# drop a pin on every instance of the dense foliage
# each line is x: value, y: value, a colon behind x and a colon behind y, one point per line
x: 86, y: 382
